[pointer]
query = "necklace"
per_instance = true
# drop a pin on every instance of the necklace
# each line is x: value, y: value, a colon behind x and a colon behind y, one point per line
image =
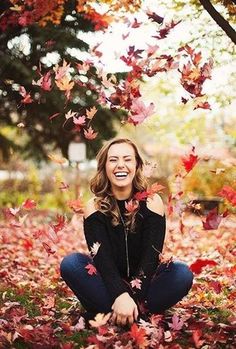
x: 126, y: 230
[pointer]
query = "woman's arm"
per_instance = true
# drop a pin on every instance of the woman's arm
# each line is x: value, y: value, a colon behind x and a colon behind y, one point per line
x: 154, y: 227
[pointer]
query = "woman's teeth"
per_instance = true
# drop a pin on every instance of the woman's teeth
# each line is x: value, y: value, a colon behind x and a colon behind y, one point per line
x: 121, y: 174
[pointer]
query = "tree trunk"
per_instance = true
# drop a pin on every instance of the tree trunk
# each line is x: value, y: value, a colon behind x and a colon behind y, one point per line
x: 230, y: 32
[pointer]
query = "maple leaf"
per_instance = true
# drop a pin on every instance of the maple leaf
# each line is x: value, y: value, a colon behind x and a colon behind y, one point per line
x: 14, y: 211
x: 26, y: 96
x: 197, y: 266
x: 90, y: 134
x: 163, y: 32
x: 155, y: 188
x: 60, y: 224
x: 136, y: 283
x: 65, y: 83
x: 136, y: 24
x: 131, y: 205
x: 229, y: 194
x: 216, y: 285
x: 139, y: 111
x: 91, y: 112
x: 177, y: 323
x: 189, y: 161
x: 100, y: 320
x: 154, y: 17
x: 60, y: 72
x: 196, y: 335
x: 45, y: 82
x: 139, y: 336
x: 80, y: 121
x: 76, y: 206
x: 141, y: 195
x: 80, y: 324
x: 91, y: 269
x: 94, y: 249
x: 29, y: 204
x: 213, y: 220
x: 57, y: 159
x: 48, y: 248
x: 70, y: 114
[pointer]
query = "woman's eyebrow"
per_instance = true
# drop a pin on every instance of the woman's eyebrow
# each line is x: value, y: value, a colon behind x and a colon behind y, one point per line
x: 114, y: 156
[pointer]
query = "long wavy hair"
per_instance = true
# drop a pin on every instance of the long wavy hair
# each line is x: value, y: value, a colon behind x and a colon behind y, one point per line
x: 101, y: 186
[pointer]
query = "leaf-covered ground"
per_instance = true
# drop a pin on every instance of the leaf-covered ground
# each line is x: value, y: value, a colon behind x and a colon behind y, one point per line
x: 37, y: 310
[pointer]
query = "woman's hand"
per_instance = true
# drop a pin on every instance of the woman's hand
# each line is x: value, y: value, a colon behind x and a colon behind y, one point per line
x: 125, y: 310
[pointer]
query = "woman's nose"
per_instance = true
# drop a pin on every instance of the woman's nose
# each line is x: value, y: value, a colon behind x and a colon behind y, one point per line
x: 120, y: 164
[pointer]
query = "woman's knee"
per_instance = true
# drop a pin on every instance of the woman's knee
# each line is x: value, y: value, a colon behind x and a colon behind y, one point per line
x: 73, y: 262
x: 182, y: 275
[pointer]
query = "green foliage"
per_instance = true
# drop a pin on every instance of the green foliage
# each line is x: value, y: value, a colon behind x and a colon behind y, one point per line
x: 19, y: 67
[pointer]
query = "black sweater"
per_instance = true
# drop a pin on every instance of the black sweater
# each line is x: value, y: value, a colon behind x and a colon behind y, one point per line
x: 143, y: 249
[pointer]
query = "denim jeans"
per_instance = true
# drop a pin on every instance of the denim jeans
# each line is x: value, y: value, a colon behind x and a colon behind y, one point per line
x: 169, y: 285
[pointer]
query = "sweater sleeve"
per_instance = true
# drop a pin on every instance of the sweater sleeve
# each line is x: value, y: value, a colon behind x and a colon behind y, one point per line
x: 154, y: 227
x: 95, y: 232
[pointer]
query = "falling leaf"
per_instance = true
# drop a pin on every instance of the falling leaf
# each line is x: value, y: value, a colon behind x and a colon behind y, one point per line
x: 94, y: 249
x: 29, y: 204
x: 91, y: 112
x: 213, y: 220
x: 136, y: 283
x: 76, y: 205
x: 229, y: 194
x: 131, y: 205
x: 48, y: 248
x: 57, y: 159
x: 189, y: 161
x: 91, y: 269
x: 140, y: 112
x: 90, y: 134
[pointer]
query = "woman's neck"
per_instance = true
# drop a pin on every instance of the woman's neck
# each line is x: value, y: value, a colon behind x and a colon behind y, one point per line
x: 122, y: 194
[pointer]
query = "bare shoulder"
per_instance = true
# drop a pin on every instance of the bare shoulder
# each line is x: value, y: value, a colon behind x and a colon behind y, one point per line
x: 156, y: 205
x: 90, y: 207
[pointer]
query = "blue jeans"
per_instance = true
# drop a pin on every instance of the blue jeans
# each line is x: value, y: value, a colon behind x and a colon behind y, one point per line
x: 169, y: 285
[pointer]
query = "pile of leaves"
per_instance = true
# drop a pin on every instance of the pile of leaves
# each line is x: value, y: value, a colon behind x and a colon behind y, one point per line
x: 38, y: 310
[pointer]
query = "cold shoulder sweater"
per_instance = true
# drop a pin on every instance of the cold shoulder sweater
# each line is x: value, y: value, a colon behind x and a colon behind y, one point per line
x: 118, y: 254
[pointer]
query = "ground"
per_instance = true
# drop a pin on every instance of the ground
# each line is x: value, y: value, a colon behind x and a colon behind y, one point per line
x: 37, y: 310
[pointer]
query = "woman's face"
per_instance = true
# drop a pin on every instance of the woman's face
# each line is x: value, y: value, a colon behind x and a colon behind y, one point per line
x: 121, y: 165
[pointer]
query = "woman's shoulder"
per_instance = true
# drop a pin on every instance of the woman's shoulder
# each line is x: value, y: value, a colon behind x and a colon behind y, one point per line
x: 155, y: 204
x: 90, y: 208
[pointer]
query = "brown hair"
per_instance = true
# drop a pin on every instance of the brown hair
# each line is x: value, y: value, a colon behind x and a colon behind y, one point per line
x: 100, y: 185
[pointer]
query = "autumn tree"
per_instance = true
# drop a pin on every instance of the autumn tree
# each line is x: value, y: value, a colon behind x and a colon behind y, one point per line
x: 34, y: 35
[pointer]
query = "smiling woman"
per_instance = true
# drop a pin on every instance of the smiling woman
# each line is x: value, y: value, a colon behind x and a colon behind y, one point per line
x: 125, y: 237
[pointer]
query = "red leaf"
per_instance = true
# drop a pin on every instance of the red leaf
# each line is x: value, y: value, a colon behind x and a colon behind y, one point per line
x: 91, y: 269
x: 48, y: 248
x: 229, y: 194
x: 139, y: 335
x: 29, y: 204
x: 197, y: 266
x: 61, y: 221
x: 216, y: 285
x: 196, y: 338
x: 189, y: 161
x: 212, y: 220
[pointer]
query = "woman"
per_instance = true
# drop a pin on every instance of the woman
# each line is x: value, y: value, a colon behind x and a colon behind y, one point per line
x: 125, y: 237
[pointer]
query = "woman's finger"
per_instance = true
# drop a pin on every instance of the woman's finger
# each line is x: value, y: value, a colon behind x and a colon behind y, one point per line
x: 130, y: 319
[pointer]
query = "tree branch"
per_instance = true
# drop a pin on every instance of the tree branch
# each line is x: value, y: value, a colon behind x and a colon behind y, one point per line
x: 230, y: 32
